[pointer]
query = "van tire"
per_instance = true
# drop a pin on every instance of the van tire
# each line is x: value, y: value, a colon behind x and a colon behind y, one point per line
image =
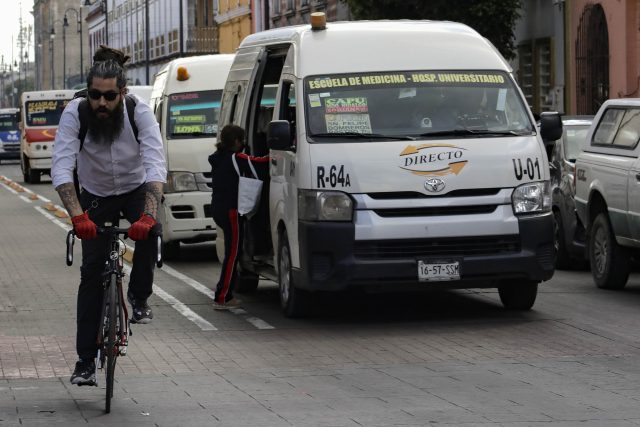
x: 24, y: 166
x: 518, y: 296
x: 171, y: 250
x: 34, y: 176
x: 609, y: 261
x: 293, y: 301
x: 561, y: 255
x: 246, y: 281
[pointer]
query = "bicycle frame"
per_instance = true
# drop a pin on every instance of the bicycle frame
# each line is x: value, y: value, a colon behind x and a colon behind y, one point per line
x: 114, y: 329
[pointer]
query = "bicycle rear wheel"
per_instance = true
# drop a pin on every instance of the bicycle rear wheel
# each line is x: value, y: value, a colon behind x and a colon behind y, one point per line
x: 110, y: 346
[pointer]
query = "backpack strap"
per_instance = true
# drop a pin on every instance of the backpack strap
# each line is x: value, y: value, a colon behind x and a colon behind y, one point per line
x: 83, y: 116
x: 130, y: 102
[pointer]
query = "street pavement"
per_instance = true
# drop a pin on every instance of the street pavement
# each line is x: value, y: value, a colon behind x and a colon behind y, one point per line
x: 529, y: 369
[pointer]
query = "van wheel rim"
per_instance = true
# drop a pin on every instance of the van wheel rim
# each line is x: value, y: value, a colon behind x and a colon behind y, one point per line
x: 600, y: 250
x: 284, y: 274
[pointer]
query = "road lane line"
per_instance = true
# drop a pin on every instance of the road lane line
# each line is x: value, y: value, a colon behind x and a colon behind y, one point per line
x: 172, y: 301
x: 258, y: 323
x: 255, y: 321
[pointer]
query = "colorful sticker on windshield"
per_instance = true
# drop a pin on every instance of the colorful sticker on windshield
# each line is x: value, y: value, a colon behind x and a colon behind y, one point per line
x: 314, y: 100
x: 346, y: 105
x: 345, y: 123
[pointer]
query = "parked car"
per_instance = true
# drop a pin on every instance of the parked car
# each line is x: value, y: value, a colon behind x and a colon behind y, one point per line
x: 569, y: 239
x: 608, y: 191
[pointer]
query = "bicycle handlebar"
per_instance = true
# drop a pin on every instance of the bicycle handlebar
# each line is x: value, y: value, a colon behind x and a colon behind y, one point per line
x: 115, y: 231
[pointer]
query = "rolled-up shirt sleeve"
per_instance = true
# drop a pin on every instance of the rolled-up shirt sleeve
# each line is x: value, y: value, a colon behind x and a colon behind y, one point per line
x: 66, y: 146
x: 151, y: 148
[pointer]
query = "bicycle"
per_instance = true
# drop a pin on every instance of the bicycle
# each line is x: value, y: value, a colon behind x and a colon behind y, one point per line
x: 115, y: 328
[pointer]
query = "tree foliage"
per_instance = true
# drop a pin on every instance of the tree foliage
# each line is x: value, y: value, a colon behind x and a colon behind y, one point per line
x: 494, y: 19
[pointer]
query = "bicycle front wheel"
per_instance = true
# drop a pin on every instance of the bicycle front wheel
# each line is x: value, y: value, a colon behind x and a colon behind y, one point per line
x: 111, y: 347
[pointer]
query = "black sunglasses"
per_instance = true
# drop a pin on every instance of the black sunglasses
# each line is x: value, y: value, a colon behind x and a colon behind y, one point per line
x: 95, y: 94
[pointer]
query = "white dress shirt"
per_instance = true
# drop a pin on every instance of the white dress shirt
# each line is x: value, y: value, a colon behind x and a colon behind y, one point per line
x: 109, y: 169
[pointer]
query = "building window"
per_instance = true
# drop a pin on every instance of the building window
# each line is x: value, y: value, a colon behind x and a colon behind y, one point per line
x: 276, y: 7
x: 535, y: 73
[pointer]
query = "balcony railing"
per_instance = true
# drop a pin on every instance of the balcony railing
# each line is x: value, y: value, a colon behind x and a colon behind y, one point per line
x: 202, y: 40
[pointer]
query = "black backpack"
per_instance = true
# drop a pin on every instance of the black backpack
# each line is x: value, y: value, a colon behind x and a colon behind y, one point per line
x: 83, y: 116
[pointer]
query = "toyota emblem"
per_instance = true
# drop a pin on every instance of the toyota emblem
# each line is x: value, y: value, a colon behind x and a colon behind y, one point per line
x: 434, y: 185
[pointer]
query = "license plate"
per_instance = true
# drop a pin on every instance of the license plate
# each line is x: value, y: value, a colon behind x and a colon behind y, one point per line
x: 438, y: 271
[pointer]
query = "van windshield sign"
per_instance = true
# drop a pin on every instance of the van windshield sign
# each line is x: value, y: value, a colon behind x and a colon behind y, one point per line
x: 45, y: 112
x: 390, y: 79
x: 193, y: 114
x: 412, y: 104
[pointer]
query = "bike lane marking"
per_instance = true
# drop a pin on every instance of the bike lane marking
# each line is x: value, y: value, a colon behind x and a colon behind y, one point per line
x: 60, y: 212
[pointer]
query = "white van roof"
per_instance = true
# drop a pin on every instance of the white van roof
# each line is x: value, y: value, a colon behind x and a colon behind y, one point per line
x: 142, y: 91
x: 384, y: 45
x: 206, y: 72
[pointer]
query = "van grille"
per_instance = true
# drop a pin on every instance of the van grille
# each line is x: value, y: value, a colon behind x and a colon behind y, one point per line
x: 415, y: 195
x: 468, y: 246
x: 435, y: 211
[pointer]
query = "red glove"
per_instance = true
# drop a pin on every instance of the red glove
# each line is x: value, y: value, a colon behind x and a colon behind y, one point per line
x: 84, y: 227
x: 139, y: 230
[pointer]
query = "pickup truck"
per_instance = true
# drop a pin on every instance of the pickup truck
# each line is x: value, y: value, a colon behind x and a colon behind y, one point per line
x: 607, y: 182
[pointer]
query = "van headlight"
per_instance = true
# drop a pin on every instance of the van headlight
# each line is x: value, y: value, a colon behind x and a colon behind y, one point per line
x: 533, y: 197
x: 320, y: 205
x: 180, y: 181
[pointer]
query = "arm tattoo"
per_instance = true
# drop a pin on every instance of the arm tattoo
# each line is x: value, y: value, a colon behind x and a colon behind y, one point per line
x: 153, y: 198
x: 67, y: 193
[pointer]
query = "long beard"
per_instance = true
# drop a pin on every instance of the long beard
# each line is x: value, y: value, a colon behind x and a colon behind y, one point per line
x: 106, y: 130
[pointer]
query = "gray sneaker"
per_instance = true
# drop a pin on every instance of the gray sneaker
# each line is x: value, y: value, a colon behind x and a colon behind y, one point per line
x: 232, y: 303
x: 141, y: 312
x: 84, y: 374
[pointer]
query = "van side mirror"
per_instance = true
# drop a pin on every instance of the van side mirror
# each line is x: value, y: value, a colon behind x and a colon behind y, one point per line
x: 550, y: 126
x: 279, y: 135
x: 550, y: 130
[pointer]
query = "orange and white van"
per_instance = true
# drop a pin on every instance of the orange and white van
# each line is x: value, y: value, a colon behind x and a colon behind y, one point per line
x: 40, y: 113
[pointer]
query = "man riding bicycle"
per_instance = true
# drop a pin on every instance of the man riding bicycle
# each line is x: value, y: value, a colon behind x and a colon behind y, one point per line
x: 121, y: 169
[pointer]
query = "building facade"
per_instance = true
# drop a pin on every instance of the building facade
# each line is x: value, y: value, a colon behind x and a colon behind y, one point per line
x: 233, y: 18
x: 539, y: 65
x: 152, y: 32
x: 61, y: 56
x: 575, y: 54
x: 604, y: 52
x: 283, y: 13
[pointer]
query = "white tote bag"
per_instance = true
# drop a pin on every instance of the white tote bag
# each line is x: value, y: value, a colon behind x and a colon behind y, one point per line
x: 249, y: 190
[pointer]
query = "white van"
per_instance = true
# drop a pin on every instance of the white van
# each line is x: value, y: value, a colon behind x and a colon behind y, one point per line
x: 186, y: 98
x: 403, y: 156
x: 144, y: 92
x: 40, y: 113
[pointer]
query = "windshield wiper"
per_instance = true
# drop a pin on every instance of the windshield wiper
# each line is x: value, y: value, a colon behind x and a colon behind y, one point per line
x: 359, y: 135
x: 474, y: 132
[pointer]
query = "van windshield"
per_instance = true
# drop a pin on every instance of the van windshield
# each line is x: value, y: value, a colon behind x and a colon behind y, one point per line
x: 193, y: 114
x: 8, y: 122
x: 414, y: 104
x: 44, y: 112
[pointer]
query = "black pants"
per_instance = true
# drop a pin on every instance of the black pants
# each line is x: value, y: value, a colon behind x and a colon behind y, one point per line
x: 94, y: 256
x: 232, y: 226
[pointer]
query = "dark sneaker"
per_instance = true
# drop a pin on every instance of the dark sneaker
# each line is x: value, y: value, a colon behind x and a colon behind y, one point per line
x: 141, y: 312
x: 84, y: 374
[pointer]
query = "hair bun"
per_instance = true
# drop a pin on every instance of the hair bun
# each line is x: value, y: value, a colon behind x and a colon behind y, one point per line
x: 106, y: 53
